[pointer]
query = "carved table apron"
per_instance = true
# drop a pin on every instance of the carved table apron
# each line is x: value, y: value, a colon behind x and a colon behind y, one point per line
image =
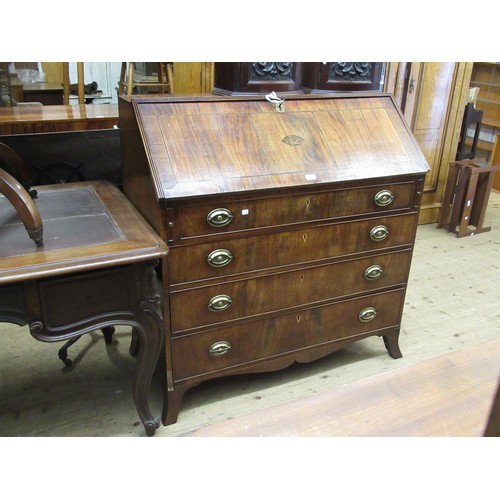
x: 96, y: 269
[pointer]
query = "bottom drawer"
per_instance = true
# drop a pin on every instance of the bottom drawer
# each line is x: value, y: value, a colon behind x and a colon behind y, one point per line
x: 226, y: 347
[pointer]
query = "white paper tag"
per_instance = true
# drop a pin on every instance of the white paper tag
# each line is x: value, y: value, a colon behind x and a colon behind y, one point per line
x: 244, y: 211
x: 310, y: 177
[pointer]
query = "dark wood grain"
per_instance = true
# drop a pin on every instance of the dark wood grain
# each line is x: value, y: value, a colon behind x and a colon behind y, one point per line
x: 283, y: 334
x: 287, y: 248
x: 285, y: 290
x: 292, y: 209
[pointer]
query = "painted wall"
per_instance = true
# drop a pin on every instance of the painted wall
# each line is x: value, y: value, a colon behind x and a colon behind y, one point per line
x: 105, y: 74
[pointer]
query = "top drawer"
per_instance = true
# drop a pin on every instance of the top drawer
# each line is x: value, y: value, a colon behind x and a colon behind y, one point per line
x: 233, y: 216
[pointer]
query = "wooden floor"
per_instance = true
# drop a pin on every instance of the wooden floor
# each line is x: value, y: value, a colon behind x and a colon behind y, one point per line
x: 450, y: 395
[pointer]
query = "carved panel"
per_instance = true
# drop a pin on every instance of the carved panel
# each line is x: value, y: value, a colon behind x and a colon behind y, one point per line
x: 274, y: 71
x: 350, y: 71
x: 342, y: 76
x: 236, y: 78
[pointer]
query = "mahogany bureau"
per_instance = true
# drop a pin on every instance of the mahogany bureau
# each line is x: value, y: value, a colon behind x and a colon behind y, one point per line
x: 290, y: 225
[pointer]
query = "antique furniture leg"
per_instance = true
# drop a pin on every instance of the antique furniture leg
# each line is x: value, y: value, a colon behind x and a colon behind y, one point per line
x: 141, y: 309
x: 448, y: 197
x: 482, y: 195
x: 172, y: 404
x: 392, y: 345
x: 468, y: 201
x: 460, y: 192
x: 149, y: 330
x: 63, y: 351
x: 134, y: 344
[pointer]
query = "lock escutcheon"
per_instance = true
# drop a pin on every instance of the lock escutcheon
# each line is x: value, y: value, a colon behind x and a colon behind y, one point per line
x: 220, y: 217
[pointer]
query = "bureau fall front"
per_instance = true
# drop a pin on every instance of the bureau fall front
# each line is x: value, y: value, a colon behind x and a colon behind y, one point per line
x: 290, y: 226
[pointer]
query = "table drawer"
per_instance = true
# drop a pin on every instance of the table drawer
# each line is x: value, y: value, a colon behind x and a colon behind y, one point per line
x: 231, y: 216
x: 256, y: 340
x: 244, y: 298
x: 239, y: 255
x: 89, y: 296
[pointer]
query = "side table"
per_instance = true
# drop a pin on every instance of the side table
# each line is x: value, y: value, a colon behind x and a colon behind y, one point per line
x: 96, y: 268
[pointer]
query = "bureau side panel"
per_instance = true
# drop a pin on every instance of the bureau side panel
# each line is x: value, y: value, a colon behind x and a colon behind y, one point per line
x: 138, y: 184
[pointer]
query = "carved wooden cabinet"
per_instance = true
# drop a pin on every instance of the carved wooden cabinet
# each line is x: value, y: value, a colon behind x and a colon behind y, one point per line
x: 341, y: 76
x: 290, y: 227
x: 239, y: 78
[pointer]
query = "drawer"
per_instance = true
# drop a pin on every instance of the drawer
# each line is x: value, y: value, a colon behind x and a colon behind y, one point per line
x: 220, y: 303
x: 257, y: 340
x: 276, y: 211
x: 90, y: 296
x: 240, y: 255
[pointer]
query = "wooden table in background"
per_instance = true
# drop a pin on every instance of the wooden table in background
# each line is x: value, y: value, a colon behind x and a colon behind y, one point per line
x: 45, y: 93
x: 42, y: 119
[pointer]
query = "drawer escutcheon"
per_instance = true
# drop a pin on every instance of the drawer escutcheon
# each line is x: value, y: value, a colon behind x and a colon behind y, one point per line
x: 220, y: 303
x: 383, y: 198
x: 219, y: 348
x: 367, y: 314
x: 220, y: 257
x: 373, y: 272
x: 219, y: 217
x: 379, y: 233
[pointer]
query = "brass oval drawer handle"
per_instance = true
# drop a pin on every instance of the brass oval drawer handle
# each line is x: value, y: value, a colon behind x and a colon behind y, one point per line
x: 383, y: 198
x: 219, y: 217
x: 220, y: 257
x: 219, y: 348
x: 379, y: 233
x: 373, y: 272
x: 220, y: 303
x: 367, y: 314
